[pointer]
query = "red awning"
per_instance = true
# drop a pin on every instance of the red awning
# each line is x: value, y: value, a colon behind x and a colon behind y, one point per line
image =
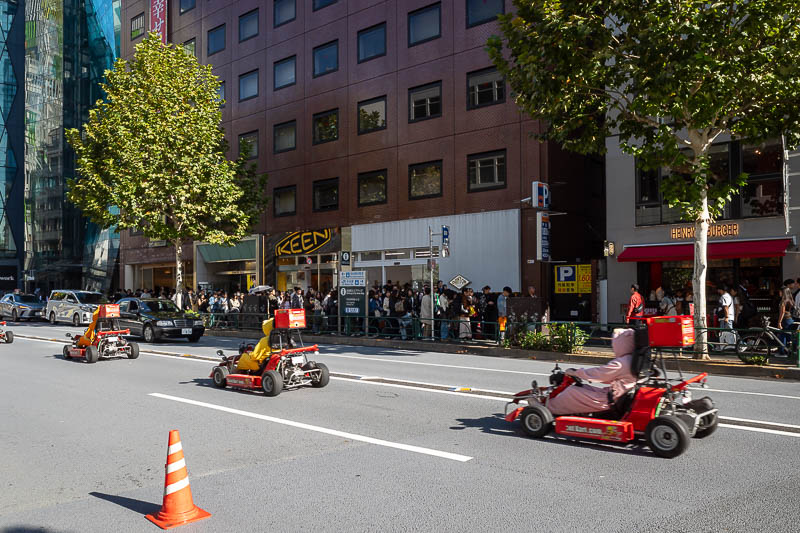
x: 716, y: 250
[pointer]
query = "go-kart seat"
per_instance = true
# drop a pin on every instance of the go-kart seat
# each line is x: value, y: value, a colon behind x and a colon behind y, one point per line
x: 620, y: 407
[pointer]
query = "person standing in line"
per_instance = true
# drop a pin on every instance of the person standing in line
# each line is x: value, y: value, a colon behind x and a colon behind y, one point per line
x: 502, y: 311
x: 531, y: 291
x: 444, y: 305
x: 785, y: 312
x: 635, y: 305
x: 726, y: 316
x: 425, y: 314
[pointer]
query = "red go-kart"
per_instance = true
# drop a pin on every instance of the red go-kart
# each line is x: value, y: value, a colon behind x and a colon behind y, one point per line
x: 658, y: 409
x: 102, y: 338
x: 6, y: 336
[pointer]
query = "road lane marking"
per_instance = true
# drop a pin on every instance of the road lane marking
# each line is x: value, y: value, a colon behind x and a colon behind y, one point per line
x: 434, y: 364
x: 423, y: 389
x: 746, y: 392
x: 319, y: 429
x: 751, y: 421
x: 760, y: 430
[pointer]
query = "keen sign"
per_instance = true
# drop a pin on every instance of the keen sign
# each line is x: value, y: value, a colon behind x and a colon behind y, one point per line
x: 303, y: 242
x: 730, y: 229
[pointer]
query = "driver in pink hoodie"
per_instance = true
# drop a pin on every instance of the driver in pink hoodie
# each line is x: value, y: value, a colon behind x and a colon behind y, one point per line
x: 617, y: 374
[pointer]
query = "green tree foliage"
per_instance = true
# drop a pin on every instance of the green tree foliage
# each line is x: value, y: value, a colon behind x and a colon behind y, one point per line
x: 668, y: 76
x: 152, y: 156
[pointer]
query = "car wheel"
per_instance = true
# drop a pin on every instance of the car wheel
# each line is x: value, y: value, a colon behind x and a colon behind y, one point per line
x: 220, y: 377
x: 148, y: 334
x: 321, y: 378
x: 66, y: 352
x: 134, y: 353
x: 76, y: 320
x: 52, y: 318
x: 9, y: 337
x: 194, y: 338
x: 271, y: 383
x: 667, y: 436
x: 92, y: 355
x: 537, y: 421
x: 14, y: 315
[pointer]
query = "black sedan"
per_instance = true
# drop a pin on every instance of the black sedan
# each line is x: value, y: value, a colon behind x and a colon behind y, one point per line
x: 153, y: 319
x: 19, y: 306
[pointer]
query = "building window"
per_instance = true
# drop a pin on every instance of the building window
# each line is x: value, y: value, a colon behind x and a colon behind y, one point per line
x: 483, y: 11
x: 221, y: 94
x: 319, y: 4
x: 284, y: 72
x: 425, y: 102
x: 248, y: 85
x: 137, y: 26
x: 216, y: 40
x: 326, y: 58
x: 326, y: 195
x: 372, y: 42
x: 486, y: 171
x: 372, y: 115
x: 425, y: 24
x: 248, y: 144
x: 326, y: 126
x: 425, y: 180
x: 284, y: 11
x: 284, y: 201
x: 284, y: 137
x: 186, y: 5
x: 190, y: 47
x: 248, y: 25
x: 372, y: 188
x: 763, y: 164
x: 485, y: 87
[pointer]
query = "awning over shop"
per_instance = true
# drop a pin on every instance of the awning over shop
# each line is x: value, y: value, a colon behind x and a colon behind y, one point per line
x: 241, y: 251
x: 716, y: 250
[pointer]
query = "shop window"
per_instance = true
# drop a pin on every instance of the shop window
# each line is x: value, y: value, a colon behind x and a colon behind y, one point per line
x: 326, y: 58
x: 372, y: 188
x: 326, y: 195
x: 319, y: 4
x: 648, y: 197
x: 762, y: 159
x: 370, y: 256
x: 216, y: 40
x: 486, y: 171
x: 284, y: 12
x: 284, y: 72
x: 284, y: 137
x: 372, y: 42
x: 372, y: 115
x: 190, y: 47
x: 248, y: 145
x: 221, y: 94
x: 248, y: 25
x: 425, y: 180
x: 483, y: 11
x: 137, y: 26
x: 248, y: 85
x: 186, y: 5
x: 284, y: 201
x: 485, y: 87
x: 395, y: 255
x: 425, y: 102
x: 326, y: 126
x: 425, y: 24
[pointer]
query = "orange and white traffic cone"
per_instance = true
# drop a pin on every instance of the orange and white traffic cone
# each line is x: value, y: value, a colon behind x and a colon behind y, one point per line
x: 178, y: 507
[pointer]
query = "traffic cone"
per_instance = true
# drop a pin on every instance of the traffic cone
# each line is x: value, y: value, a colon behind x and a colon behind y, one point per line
x: 178, y: 507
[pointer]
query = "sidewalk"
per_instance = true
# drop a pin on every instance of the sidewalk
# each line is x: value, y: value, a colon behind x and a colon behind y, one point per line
x: 728, y: 365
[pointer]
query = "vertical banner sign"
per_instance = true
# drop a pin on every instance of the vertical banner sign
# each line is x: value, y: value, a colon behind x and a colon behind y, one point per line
x: 584, y: 279
x: 542, y: 236
x: 158, y: 18
x: 540, y: 195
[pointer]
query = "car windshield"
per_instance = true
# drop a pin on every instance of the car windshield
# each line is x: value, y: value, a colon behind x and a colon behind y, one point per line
x: 156, y: 306
x: 91, y: 298
x: 26, y: 298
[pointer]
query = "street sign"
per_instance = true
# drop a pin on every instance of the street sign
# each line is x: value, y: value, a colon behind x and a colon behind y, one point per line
x: 540, y: 195
x: 566, y: 279
x: 445, y: 241
x: 308, y: 260
x: 459, y: 282
x: 353, y: 279
x: 542, y: 236
x: 353, y: 301
x: 345, y: 259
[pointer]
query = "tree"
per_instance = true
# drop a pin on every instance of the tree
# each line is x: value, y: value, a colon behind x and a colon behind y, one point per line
x: 668, y: 77
x: 152, y: 156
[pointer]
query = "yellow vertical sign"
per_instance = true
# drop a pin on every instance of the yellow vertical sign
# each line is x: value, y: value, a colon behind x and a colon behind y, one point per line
x: 584, y: 279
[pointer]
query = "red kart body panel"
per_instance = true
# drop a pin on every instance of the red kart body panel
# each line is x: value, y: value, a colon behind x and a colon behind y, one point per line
x: 244, y: 381
x: 644, y: 406
x: 77, y: 352
x: 594, y: 428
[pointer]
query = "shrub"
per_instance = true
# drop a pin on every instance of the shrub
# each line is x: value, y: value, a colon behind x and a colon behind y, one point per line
x: 534, y: 340
x: 567, y: 337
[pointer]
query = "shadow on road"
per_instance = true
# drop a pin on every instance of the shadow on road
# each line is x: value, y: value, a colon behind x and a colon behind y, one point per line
x: 28, y: 529
x: 137, y: 506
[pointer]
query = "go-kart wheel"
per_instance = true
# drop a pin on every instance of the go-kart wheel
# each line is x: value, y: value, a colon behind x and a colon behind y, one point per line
x: 92, y: 355
x: 667, y: 436
x: 271, y: 383
x: 9, y: 337
x: 220, y: 377
x: 537, y: 421
x: 708, y: 425
x: 321, y: 378
x: 66, y: 352
x: 134, y: 353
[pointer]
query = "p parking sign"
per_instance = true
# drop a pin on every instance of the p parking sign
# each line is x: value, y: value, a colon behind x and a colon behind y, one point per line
x: 566, y: 279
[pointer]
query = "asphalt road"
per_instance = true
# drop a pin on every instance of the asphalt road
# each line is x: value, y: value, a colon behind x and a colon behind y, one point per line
x: 83, y: 448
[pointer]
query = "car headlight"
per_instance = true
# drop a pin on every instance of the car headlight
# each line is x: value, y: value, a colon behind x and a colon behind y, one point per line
x: 198, y: 322
x: 86, y: 308
x: 165, y: 323
x: 24, y: 307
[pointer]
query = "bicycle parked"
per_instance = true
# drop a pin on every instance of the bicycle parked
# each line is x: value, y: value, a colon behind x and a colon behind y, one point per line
x: 768, y: 342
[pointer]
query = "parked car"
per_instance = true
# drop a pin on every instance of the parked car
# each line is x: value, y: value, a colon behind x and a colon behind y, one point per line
x: 19, y: 306
x: 73, y: 306
x: 154, y: 318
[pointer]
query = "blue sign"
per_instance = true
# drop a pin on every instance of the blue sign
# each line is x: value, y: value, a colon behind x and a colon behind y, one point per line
x: 445, y: 235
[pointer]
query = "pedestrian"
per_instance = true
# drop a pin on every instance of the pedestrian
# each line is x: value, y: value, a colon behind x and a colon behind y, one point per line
x: 726, y: 315
x: 785, y: 312
x: 464, y: 329
x: 502, y: 311
x: 666, y: 305
x: 425, y: 313
x: 635, y: 305
x: 531, y: 291
x: 443, y: 307
x: 297, y: 299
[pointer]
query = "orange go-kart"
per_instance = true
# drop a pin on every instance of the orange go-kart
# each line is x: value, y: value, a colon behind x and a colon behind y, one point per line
x: 5, y: 335
x: 103, y: 338
x: 658, y: 409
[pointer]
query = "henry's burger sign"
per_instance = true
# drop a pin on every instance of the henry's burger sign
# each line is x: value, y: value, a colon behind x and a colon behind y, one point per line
x: 730, y: 229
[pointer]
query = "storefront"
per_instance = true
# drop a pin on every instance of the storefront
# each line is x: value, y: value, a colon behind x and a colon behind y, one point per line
x: 228, y: 268
x: 305, y: 259
x: 157, y: 276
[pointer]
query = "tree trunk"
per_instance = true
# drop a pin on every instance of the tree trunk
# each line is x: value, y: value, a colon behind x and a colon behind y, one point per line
x: 699, y: 279
x: 178, y: 273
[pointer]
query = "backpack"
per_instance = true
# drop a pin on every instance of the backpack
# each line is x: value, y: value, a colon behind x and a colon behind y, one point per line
x: 398, y: 306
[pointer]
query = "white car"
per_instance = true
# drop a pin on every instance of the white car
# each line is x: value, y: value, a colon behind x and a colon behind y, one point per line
x: 75, y: 307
